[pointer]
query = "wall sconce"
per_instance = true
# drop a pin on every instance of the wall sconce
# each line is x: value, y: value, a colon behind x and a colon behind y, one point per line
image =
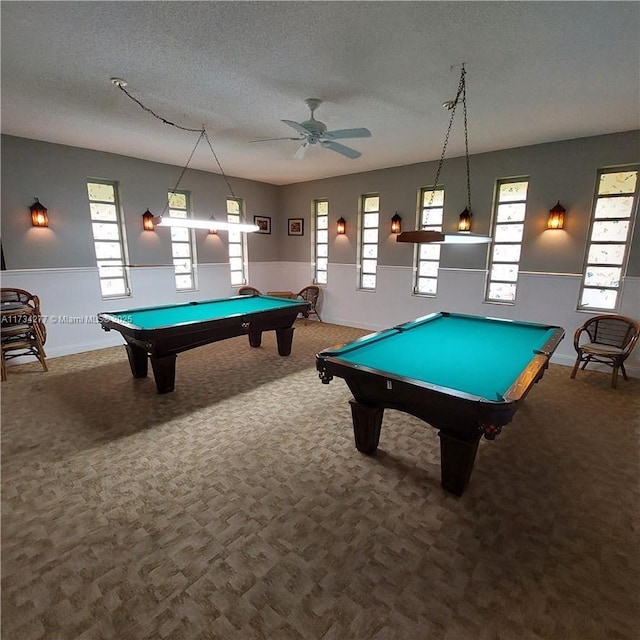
x: 396, y: 223
x: 39, y: 217
x: 465, y: 221
x: 342, y: 226
x: 147, y: 220
x: 556, y: 217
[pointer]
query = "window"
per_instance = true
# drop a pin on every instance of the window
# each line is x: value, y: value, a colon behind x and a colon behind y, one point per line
x: 182, y: 242
x: 321, y: 210
x: 237, y: 248
x: 427, y: 254
x: 370, y: 208
x: 609, y: 238
x: 106, y: 224
x: 508, y: 229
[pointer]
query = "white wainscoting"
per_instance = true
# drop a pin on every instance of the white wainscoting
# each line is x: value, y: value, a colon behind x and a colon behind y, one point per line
x: 280, y: 276
x: 70, y: 299
x: 544, y: 298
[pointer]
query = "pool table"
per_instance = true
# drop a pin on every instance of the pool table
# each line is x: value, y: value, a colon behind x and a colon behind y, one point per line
x: 464, y: 375
x: 160, y: 333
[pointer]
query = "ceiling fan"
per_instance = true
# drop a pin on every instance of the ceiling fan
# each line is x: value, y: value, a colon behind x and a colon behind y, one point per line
x: 313, y: 131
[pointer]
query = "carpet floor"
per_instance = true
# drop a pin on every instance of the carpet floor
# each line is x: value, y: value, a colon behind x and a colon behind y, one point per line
x: 238, y: 507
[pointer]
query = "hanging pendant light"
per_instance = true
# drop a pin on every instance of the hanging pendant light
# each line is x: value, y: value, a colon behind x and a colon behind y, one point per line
x: 149, y: 221
x: 464, y: 236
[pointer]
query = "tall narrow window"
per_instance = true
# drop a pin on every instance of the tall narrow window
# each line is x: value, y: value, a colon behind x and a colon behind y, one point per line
x: 108, y: 232
x: 237, y: 249
x: 182, y: 242
x: 428, y: 255
x: 609, y: 238
x: 370, y: 207
x: 322, y: 241
x: 508, y: 229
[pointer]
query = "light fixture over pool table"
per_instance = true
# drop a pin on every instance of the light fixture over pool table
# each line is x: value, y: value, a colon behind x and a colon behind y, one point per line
x: 437, y: 237
x: 464, y: 236
x: 193, y: 223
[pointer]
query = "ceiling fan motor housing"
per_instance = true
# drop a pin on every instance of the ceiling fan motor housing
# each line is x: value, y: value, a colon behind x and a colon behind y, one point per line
x: 314, y: 127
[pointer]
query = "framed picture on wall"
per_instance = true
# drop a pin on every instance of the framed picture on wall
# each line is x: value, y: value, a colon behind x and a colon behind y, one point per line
x: 296, y: 226
x: 264, y: 224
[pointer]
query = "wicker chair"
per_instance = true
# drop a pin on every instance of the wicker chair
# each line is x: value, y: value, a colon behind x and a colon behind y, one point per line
x: 606, y: 339
x: 248, y: 291
x: 311, y: 294
x: 23, y: 331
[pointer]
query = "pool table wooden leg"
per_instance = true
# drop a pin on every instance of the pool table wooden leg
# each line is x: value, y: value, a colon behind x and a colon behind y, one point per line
x: 285, y: 340
x: 456, y: 462
x: 255, y: 338
x: 367, y: 422
x: 138, y: 360
x: 164, y: 372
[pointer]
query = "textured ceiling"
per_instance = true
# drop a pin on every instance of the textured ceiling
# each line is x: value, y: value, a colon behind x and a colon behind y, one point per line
x: 536, y: 72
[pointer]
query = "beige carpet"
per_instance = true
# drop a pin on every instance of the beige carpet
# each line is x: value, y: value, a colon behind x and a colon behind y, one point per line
x: 238, y: 507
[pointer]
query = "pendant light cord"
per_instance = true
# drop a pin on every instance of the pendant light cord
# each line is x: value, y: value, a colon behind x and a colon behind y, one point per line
x: 462, y: 92
x: 203, y: 134
x: 466, y: 136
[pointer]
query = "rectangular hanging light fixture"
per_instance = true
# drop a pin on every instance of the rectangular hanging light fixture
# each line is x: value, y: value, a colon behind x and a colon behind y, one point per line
x: 464, y: 236
x: 437, y: 237
x: 191, y: 223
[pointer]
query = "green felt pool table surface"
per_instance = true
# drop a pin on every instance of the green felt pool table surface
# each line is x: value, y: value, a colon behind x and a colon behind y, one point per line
x: 474, y: 355
x: 174, y: 315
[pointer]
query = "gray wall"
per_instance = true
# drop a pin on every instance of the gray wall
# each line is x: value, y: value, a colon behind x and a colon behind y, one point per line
x: 57, y: 175
x: 564, y: 171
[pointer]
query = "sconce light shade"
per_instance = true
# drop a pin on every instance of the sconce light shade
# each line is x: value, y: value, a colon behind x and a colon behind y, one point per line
x: 147, y: 221
x: 39, y: 217
x: 465, y: 221
x: 396, y: 223
x: 556, y: 217
x: 342, y: 226
x: 212, y: 230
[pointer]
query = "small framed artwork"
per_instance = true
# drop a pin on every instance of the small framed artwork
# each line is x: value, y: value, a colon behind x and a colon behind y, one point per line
x: 263, y: 222
x: 296, y: 226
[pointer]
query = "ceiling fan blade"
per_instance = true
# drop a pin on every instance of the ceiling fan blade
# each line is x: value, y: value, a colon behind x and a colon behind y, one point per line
x: 340, y: 148
x: 348, y: 133
x: 297, y: 126
x: 301, y: 151
x: 272, y: 139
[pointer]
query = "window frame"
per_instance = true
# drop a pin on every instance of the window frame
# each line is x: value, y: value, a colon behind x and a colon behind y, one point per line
x: 623, y: 266
x: 497, y: 202
x: 362, y: 229
x: 422, y: 209
x: 122, y: 238
x: 317, y: 271
x: 193, y: 272
x: 234, y: 217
